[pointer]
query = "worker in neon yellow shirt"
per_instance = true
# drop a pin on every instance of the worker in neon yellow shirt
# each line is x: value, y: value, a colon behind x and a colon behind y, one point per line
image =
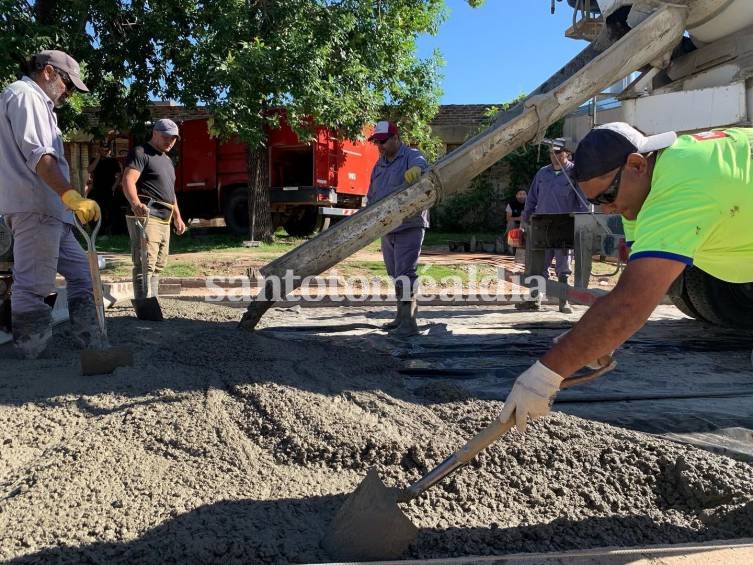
x: 687, y: 200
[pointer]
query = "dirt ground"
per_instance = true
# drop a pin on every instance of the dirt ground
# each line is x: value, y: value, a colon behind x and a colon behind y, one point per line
x: 222, y: 446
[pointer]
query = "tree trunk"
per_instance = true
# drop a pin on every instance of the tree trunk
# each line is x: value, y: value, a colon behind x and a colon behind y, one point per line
x: 259, y: 208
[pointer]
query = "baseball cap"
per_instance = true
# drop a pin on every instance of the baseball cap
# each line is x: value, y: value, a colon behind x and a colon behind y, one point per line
x: 168, y: 127
x: 65, y: 63
x: 383, y: 130
x: 557, y: 144
x: 607, y: 147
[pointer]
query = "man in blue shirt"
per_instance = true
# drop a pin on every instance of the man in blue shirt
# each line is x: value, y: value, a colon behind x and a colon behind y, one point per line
x: 38, y: 201
x: 399, y: 164
x: 554, y: 192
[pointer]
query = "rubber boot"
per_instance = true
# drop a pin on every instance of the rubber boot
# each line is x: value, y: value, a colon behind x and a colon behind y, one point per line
x: 32, y: 332
x: 406, y: 313
x: 564, y: 306
x: 154, y: 286
x: 394, y: 323
x: 84, y: 326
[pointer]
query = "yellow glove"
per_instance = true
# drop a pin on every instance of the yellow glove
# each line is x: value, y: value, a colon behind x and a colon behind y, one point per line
x: 412, y: 174
x: 85, y: 209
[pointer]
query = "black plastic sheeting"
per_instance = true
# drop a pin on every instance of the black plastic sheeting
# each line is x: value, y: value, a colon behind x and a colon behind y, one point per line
x: 675, y: 378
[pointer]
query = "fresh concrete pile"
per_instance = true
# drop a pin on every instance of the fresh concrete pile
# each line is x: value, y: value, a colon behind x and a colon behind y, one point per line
x: 224, y: 446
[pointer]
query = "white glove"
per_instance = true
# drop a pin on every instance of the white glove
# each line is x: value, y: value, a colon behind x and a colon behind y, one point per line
x: 532, y: 395
x: 595, y: 365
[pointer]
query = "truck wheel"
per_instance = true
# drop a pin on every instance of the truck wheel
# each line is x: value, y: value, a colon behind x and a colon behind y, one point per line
x: 236, y: 211
x: 303, y: 223
x: 719, y: 302
x: 682, y: 303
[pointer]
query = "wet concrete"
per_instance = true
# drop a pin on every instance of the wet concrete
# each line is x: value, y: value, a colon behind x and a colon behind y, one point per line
x: 224, y: 446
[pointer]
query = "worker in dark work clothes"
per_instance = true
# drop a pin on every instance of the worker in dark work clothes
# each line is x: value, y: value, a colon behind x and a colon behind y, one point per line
x: 149, y: 186
x: 399, y: 164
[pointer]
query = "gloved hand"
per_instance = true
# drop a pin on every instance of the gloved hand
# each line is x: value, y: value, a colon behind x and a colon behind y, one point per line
x: 595, y: 365
x: 531, y: 395
x: 85, y: 209
x: 412, y: 174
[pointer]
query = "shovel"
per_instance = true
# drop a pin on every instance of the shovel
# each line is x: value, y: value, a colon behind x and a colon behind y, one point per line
x: 106, y: 360
x: 370, y: 526
x: 146, y: 308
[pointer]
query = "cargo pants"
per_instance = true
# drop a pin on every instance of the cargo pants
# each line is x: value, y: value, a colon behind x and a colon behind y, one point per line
x: 400, y: 251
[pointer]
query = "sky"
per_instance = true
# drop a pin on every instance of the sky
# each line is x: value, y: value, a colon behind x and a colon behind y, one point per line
x: 501, y: 50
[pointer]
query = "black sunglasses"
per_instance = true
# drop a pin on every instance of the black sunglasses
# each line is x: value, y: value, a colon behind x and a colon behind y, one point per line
x: 610, y: 194
x: 65, y: 77
x: 382, y: 141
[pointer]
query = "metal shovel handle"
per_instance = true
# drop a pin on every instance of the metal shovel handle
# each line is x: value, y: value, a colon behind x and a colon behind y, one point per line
x: 480, y: 441
x: 143, y: 254
x: 91, y: 255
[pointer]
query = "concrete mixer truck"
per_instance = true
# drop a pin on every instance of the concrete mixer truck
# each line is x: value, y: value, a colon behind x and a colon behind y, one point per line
x: 684, y: 65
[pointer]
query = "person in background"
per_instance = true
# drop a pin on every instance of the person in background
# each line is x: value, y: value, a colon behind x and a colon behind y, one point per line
x: 399, y: 164
x: 554, y: 192
x: 513, y: 212
x: 149, y: 186
x: 38, y: 201
x: 677, y: 195
x: 105, y: 172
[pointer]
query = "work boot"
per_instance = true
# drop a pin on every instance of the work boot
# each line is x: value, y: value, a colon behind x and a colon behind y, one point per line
x: 406, y: 315
x: 394, y: 323
x: 564, y: 306
x: 84, y: 325
x: 32, y: 332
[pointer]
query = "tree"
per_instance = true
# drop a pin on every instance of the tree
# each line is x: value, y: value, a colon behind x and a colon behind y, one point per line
x: 340, y: 63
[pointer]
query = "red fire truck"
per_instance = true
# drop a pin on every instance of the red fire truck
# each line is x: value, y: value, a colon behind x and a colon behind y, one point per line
x: 311, y: 182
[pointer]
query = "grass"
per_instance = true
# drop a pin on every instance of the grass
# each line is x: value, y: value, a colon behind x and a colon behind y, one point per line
x: 441, y: 238
x: 180, y: 269
x: 237, y: 257
x: 435, y: 272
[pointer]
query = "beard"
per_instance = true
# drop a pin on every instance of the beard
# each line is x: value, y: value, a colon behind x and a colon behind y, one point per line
x: 56, y: 91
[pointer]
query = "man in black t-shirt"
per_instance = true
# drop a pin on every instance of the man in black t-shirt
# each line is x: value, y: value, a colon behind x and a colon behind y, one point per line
x: 149, y: 186
x: 105, y: 172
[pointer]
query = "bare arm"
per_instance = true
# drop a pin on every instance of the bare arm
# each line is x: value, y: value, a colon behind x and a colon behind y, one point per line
x: 130, y: 176
x: 615, y: 317
x: 49, y: 171
x: 180, y: 225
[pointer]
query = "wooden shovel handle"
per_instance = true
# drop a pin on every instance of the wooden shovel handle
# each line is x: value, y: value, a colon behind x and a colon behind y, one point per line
x: 480, y: 441
x: 484, y: 439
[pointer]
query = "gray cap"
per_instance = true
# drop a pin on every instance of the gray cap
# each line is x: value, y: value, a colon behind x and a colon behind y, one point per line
x: 558, y: 143
x: 65, y: 63
x: 168, y: 127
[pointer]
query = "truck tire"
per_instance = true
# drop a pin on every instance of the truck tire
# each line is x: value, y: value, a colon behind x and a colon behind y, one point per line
x: 236, y: 211
x: 682, y: 303
x: 304, y: 222
x: 719, y: 302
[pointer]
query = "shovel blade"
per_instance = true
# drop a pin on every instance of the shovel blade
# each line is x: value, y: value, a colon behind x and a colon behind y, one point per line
x: 105, y: 361
x: 369, y: 526
x: 148, y: 309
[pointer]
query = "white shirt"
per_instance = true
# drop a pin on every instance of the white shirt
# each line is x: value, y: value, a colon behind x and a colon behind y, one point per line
x: 28, y: 131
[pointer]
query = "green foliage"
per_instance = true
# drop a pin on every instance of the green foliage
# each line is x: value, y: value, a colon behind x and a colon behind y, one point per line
x: 340, y: 63
x: 525, y: 161
x: 466, y: 211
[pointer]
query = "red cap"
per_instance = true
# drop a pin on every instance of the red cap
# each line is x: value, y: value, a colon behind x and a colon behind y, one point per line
x: 383, y: 130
